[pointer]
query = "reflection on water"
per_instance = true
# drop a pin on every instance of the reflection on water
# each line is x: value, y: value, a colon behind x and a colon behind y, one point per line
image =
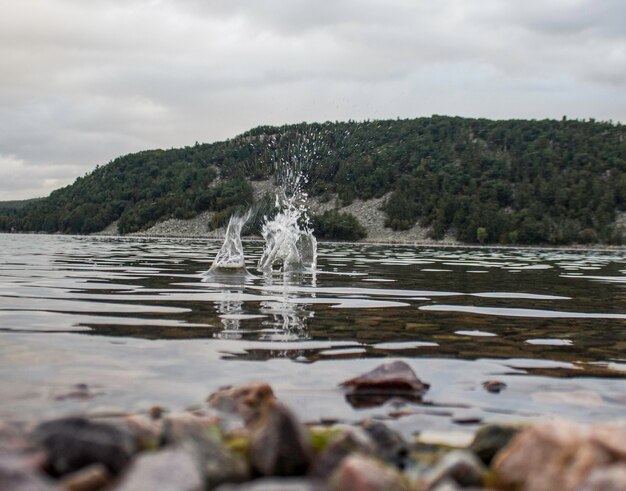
x: 126, y: 313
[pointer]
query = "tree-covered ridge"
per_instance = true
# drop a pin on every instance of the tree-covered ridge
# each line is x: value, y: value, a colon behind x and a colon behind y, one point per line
x: 528, y: 182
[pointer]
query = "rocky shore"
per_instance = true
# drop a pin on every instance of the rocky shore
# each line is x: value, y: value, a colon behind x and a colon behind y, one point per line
x: 243, y: 438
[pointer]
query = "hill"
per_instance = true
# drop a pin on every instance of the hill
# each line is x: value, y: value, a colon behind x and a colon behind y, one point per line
x: 523, y: 182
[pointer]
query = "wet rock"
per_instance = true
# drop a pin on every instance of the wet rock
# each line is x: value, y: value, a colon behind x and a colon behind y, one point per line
x: 165, y: 470
x: 279, y: 444
x: 359, y: 473
x: 611, y: 478
x: 490, y: 439
x: 460, y: 466
x: 272, y: 484
x: 74, y: 443
x: 90, y: 478
x: 554, y: 455
x: 349, y: 442
x: 494, y: 386
x: 247, y: 401
x: 200, y: 436
x: 17, y: 474
x: 390, y: 446
x: 394, y: 379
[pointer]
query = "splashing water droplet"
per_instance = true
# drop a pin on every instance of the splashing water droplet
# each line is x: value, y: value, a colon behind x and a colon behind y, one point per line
x: 230, y: 256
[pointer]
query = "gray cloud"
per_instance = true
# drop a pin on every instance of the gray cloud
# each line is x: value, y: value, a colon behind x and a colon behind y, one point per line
x: 84, y: 82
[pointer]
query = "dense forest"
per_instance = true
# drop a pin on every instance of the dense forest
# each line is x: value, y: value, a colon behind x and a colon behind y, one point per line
x: 511, y: 182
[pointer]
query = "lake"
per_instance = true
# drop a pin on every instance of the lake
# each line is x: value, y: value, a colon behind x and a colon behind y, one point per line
x: 138, y: 322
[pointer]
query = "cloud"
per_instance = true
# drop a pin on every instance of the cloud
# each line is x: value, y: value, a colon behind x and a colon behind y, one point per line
x: 84, y: 82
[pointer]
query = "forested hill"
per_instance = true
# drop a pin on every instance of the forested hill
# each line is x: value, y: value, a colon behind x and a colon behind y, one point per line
x: 523, y: 182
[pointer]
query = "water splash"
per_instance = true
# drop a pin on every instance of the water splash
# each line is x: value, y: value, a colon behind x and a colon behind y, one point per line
x: 289, y: 241
x: 230, y: 256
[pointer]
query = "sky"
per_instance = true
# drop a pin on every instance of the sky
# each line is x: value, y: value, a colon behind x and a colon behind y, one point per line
x: 83, y: 82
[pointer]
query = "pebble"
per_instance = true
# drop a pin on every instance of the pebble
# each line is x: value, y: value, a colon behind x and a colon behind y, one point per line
x: 89, y: 478
x: 74, y: 443
x: 460, y: 466
x: 490, y: 439
x: 279, y: 443
x: 17, y: 475
x: 360, y: 473
x: 165, y: 470
x: 273, y: 484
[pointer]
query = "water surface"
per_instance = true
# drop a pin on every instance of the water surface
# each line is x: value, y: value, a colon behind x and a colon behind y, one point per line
x: 140, y: 323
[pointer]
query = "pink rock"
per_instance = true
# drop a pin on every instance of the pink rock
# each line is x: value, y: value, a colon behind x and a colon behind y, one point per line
x: 611, y: 478
x: 358, y: 473
x: 554, y: 455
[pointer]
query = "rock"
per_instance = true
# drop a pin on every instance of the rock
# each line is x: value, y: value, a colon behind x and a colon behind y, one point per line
x: 279, y: 444
x: 389, y: 380
x: 146, y: 431
x: 179, y: 427
x: 611, y: 478
x: 460, y: 466
x: 90, y: 478
x: 74, y: 443
x: 555, y: 455
x: 359, y: 473
x: 165, y: 470
x: 494, y: 386
x: 349, y: 442
x: 201, y: 436
x: 490, y: 439
x: 273, y: 484
x: 247, y: 401
x: 16, y: 474
x: 390, y: 446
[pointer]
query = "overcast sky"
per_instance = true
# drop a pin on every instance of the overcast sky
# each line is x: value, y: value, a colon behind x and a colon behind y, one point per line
x: 84, y: 81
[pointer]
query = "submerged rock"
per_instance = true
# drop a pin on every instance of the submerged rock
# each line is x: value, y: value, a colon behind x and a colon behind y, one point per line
x: 165, y: 470
x: 494, y: 386
x: 558, y: 455
x: 490, y: 439
x: 280, y: 445
x: 389, y: 380
x: 74, y: 443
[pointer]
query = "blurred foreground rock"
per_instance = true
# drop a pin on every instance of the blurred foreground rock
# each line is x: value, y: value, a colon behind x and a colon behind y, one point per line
x: 563, y: 455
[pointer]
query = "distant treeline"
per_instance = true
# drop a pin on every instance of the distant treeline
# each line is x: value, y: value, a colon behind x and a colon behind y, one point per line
x: 511, y: 182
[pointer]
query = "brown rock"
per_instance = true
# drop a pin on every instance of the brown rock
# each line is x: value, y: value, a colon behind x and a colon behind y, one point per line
x: 279, y: 443
x: 389, y: 380
x: 494, y: 386
x: 247, y: 401
x: 548, y: 456
x: 166, y: 470
x: 90, y: 478
x: 359, y: 473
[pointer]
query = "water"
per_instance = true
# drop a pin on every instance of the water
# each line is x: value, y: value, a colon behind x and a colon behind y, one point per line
x: 140, y: 323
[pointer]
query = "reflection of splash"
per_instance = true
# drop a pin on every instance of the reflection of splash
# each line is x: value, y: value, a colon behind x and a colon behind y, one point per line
x: 231, y: 255
x: 287, y: 317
